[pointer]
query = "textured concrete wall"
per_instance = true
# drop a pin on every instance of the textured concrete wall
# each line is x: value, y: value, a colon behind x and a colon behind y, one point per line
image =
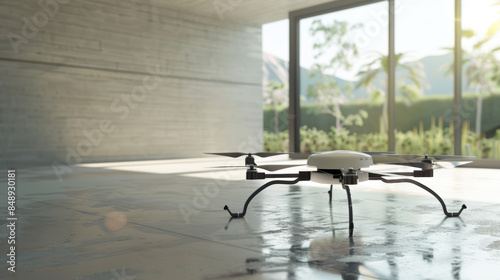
x: 102, y: 80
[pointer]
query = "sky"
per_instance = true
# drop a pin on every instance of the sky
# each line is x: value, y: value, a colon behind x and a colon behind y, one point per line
x: 420, y: 31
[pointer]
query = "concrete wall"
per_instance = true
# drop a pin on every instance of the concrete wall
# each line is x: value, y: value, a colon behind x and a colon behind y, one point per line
x: 103, y: 80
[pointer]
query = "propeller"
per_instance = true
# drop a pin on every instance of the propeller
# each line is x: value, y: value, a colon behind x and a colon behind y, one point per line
x: 276, y: 167
x: 233, y: 166
x: 249, y: 159
x: 238, y: 154
x: 417, y: 164
x: 445, y: 157
x: 415, y: 156
x: 396, y: 156
x: 427, y: 164
x: 451, y: 164
x: 268, y: 167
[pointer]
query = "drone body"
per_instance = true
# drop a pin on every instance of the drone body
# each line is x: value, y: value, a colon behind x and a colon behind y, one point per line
x: 336, y: 160
x: 344, y: 167
x: 340, y: 164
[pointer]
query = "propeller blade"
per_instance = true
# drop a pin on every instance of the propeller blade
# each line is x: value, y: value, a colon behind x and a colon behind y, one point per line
x: 401, y: 156
x: 238, y: 154
x: 426, y: 165
x: 415, y: 156
x: 264, y: 154
x: 445, y: 157
x: 230, y: 166
x: 423, y: 165
x: 233, y: 155
x: 276, y: 167
x: 451, y: 164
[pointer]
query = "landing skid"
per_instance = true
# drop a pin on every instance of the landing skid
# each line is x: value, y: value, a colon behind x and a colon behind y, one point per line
x: 349, y: 201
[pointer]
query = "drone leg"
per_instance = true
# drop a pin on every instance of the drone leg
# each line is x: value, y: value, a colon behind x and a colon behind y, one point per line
x: 349, y: 201
x: 242, y: 214
x: 330, y: 193
x: 448, y: 214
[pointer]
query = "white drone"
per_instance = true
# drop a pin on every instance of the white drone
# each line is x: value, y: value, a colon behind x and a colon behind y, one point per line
x: 344, y: 167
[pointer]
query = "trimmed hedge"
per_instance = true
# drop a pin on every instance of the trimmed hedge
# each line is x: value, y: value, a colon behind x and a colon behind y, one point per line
x: 408, y: 118
x: 437, y: 140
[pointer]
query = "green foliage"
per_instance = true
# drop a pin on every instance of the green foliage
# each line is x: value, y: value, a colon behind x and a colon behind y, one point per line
x: 409, y: 83
x: 276, y: 96
x: 338, y: 51
x: 276, y: 142
x: 407, y: 117
x: 437, y: 140
x: 334, y: 38
x: 314, y: 140
x: 481, y: 68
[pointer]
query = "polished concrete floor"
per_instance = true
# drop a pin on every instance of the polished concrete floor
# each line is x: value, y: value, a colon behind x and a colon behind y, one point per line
x: 164, y: 220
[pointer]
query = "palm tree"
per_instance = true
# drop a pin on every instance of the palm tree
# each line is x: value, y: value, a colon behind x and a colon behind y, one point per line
x: 330, y: 95
x: 482, y: 68
x: 494, y: 27
x: 410, y: 80
x: 481, y: 72
x: 334, y: 52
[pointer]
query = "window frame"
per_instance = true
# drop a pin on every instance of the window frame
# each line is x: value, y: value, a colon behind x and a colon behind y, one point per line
x: 335, y: 6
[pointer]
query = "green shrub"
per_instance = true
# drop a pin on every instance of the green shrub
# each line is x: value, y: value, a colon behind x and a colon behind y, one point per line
x: 418, y: 132
x: 437, y: 141
x: 276, y: 142
x: 407, y: 117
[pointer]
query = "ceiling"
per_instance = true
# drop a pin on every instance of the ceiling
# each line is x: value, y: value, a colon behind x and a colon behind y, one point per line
x: 256, y: 12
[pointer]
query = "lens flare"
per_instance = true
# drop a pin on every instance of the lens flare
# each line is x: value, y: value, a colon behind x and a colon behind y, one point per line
x: 115, y: 221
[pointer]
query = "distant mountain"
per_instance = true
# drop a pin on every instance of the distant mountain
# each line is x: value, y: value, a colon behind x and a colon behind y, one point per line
x: 276, y: 69
x: 435, y: 69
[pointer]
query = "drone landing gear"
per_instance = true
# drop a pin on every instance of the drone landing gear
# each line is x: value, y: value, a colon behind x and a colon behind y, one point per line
x: 448, y: 214
x: 349, y: 201
x: 242, y: 214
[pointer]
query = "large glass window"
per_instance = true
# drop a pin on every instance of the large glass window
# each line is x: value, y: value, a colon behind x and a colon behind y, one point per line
x: 424, y: 76
x: 275, y: 85
x: 481, y: 78
x: 342, y: 69
x: 343, y: 79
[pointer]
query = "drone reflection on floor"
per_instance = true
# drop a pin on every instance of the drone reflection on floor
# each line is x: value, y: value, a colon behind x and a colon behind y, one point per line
x: 298, y: 253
